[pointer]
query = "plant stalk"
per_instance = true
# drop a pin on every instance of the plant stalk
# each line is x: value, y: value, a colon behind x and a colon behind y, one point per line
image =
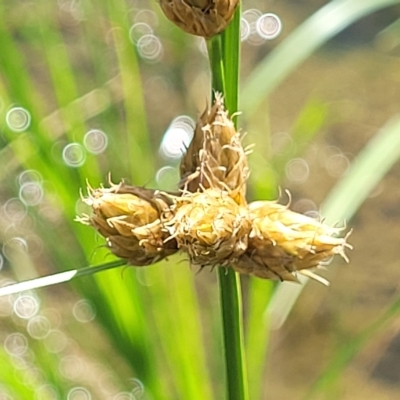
x: 223, y: 53
x: 231, y: 308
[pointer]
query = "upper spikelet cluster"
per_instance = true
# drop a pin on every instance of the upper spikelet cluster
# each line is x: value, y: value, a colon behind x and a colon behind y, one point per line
x: 210, y: 219
x: 215, y: 158
x: 200, y: 17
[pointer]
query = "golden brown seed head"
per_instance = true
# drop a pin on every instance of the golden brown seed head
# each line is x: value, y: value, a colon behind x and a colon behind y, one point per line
x: 215, y: 158
x: 200, y: 17
x: 131, y: 219
x: 282, y: 242
x: 210, y: 226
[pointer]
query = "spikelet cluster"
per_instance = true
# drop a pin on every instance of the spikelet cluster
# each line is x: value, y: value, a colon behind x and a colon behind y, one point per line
x: 215, y: 158
x: 209, y: 219
x: 211, y: 227
x: 132, y: 221
x: 282, y: 242
x: 204, y: 18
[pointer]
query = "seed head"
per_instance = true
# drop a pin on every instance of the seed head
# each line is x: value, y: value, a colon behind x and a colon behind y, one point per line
x: 210, y: 219
x: 131, y: 219
x: 215, y: 158
x: 200, y: 17
x: 282, y: 242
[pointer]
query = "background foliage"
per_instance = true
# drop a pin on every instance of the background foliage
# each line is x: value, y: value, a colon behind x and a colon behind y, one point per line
x: 320, y: 104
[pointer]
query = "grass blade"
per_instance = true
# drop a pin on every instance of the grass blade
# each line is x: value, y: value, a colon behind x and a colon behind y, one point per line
x: 173, y: 283
x: 257, y: 333
x: 60, y: 277
x: 307, y: 38
x: 349, y: 350
x: 370, y: 166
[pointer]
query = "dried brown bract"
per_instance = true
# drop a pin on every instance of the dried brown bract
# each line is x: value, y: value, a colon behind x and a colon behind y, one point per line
x: 215, y: 158
x: 131, y: 219
x: 200, y: 17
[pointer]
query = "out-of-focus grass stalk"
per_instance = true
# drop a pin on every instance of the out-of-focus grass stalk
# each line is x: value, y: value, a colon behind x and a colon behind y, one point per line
x: 366, y: 171
x: 141, y: 161
x: 263, y: 80
x: 329, y: 20
x: 349, y: 350
x: 223, y: 52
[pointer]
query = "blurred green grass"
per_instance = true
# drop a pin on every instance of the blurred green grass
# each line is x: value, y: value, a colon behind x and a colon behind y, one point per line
x: 72, y: 66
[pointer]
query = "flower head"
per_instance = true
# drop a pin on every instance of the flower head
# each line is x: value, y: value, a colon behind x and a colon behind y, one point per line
x: 210, y: 220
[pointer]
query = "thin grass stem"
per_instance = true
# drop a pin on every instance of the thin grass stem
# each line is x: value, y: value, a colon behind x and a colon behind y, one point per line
x: 224, y: 62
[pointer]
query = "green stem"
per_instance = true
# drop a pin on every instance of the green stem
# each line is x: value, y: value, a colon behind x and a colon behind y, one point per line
x: 223, y: 52
x: 214, y: 47
x: 231, y: 307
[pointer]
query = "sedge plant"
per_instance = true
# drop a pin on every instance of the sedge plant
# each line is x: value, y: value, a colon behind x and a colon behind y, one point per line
x: 158, y: 328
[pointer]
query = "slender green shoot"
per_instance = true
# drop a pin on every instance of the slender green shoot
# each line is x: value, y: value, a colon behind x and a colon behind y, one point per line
x: 224, y: 61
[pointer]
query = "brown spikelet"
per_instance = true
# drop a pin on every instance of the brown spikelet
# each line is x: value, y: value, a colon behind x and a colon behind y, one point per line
x: 283, y: 242
x: 131, y: 219
x: 200, y: 17
x: 215, y: 158
x: 210, y: 226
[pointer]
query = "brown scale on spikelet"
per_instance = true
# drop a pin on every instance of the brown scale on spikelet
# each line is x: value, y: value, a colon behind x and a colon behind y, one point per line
x: 131, y: 219
x: 200, y: 17
x: 210, y: 226
x: 282, y: 242
x: 215, y: 158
